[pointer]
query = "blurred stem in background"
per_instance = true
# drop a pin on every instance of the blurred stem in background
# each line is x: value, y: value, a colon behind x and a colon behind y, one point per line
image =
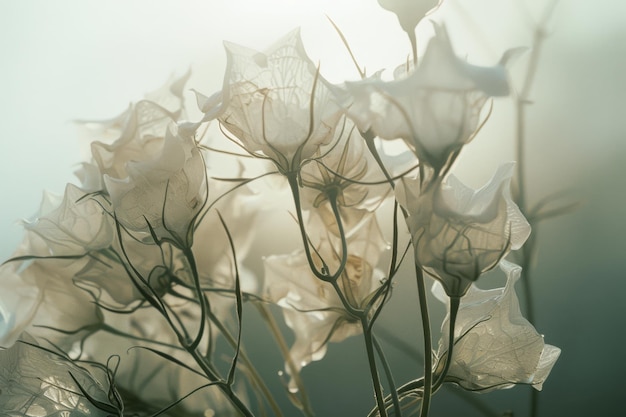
x: 522, y: 100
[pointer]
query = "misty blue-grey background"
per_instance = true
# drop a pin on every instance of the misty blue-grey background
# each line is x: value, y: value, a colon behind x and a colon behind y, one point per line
x: 78, y: 59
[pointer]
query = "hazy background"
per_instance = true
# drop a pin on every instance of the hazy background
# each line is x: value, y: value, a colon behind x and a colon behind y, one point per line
x: 82, y: 59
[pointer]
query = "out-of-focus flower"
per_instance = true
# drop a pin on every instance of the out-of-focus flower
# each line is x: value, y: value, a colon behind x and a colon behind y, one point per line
x: 74, y: 226
x: 495, y: 347
x: 435, y: 109
x: 409, y: 12
x: 165, y: 194
x: 18, y: 304
x: 35, y: 381
x: 277, y: 103
x: 312, y: 308
x: 64, y: 313
x: 107, y: 273
x: 457, y: 232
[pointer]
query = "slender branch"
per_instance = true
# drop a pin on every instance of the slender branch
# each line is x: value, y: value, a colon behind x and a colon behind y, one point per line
x: 428, y: 356
x: 380, y: 399
x: 522, y: 100
x: 389, y: 375
x: 454, y: 309
x: 254, y: 374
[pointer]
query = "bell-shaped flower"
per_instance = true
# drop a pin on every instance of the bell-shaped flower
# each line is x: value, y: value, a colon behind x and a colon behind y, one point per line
x: 141, y: 139
x: 345, y: 171
x: 435, y: 109
x: 409, y: 12
x: 135, y: 135
x: 43, y: 299
x: 75, y: 225
x: 458, y: 232
x: 495, y: 347
x: 311, y: 307
x: 106, y: 273
x: 37, y: 381
x: 277, y: 104
x: 163, y: 195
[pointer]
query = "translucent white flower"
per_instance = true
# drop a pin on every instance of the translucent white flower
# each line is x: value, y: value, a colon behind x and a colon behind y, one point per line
x: 18, y: 304
x: 141, y: 140
x: 409, y: 12
x: 165, y: 194
x: 457, y: 232
x: 346, y: 171
x: 277, y: 103
x: 495, y: 347
x: 137, y: 134
x: 435, y: 109
x: 106, y: 273
x: 35, y: 382
x: 73, y: 226
x: 312, y: 308
x: 64, y: 312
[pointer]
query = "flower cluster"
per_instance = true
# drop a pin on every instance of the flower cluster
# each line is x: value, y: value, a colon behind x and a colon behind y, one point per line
x: 144, y: 267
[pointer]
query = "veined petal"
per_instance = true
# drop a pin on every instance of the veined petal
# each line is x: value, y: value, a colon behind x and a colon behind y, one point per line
x: 495, y: 346
x: 277, y: 103
x: 459, y: 233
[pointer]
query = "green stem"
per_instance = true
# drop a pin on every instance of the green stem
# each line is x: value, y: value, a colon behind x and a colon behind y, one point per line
x: 224, y: 387
x: 454, y: 309
x: 522, y: 101
x: 256, y: 378
x: 428, y: 356
x: 204, y: 307
x: 371, y: 146
x: 413, y: 40
x: 192, y: 348
x: 389, y: 375
x: 295, y: 191
x: 380, y: 399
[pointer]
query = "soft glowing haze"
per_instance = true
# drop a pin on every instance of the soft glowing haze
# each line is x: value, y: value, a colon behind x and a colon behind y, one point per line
x: 78, y: 59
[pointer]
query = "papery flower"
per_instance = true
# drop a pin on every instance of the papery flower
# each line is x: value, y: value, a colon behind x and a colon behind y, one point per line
x: 137, y: 134
x: 106, y: 273
x: 277, y: 103
x: 37, y: 381
x: 75, y: 225
x: 495, y: 347
x: 141, y: 140
x: 409, y: 12
x: 311, y: 307
x: 435, y: 109
x: 164, y: 194
x: 63, y: 313
x: 342, y: 171
x: 457, y: 232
